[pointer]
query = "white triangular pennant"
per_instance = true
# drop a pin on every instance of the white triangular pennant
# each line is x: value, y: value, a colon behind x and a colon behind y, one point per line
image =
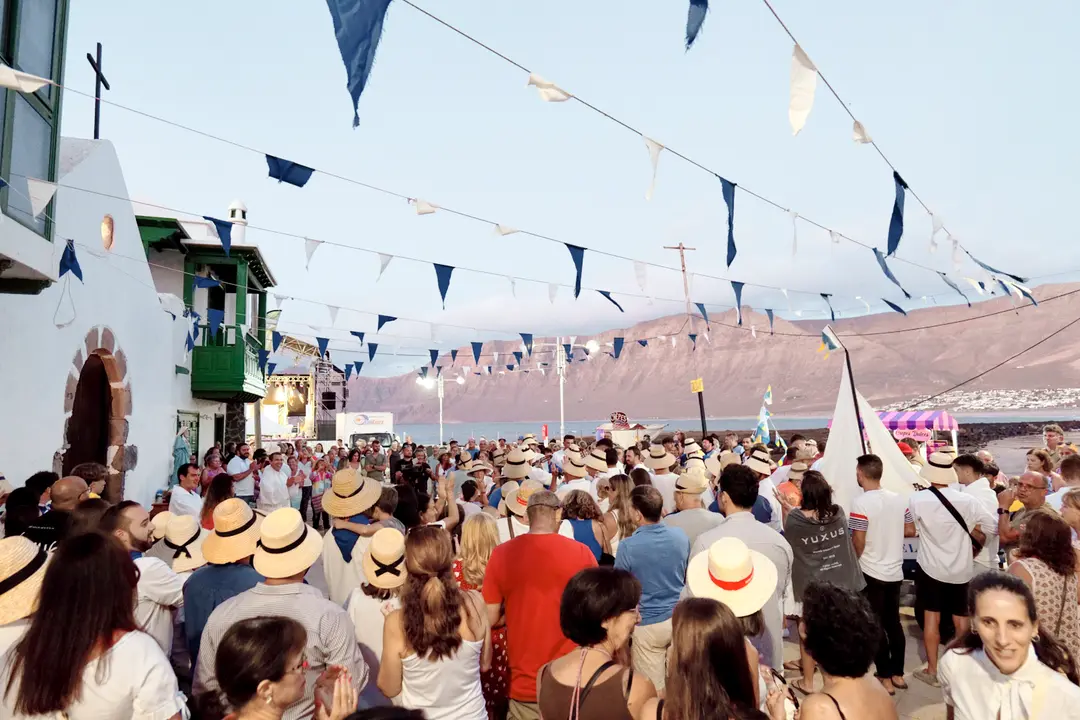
x: 864, y: 303
x: 41, y: 192
x: 549, y: 92
x: 654, y: 158
x: 956, y: 257
x: 494, y: 357
x: 641, y: 273
x: 553, y: 290
x: 333, y: 313
x: 975, y: 284
x: 505, y: 230
x: 573, y: 338
x: 23, y: 82
x: 803, y: 85
x: 753, y: 331
x: 423, y: 207
x: 835, y: 237
x: 280, y: 300
x: 310, y: 246
x: 672, y: 341
x: 938, y: 225
x: 384, y: 260
x: 434, y: 333
x: 794, y: 230
x: 860, y: 135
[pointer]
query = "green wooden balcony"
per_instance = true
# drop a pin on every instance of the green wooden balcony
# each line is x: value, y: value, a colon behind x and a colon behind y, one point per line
x: 225, y: 367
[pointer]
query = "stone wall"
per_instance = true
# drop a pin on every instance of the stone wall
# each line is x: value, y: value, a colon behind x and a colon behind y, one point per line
x: 235, y: 423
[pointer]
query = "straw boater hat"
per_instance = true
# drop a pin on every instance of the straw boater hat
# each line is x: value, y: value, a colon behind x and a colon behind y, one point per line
x: 185, y: 536
x: 474, y: 466
x: 384, y: 559
x: 760, y: 462
x: 694, y: 462
x: 350, y: 494
x: 659, y: 458
x: 498, y: 457
x: 464, y: 458
x: 158, y: 524
x: 741, y: 578
x: 716, y: 464
x: 939, y: 469
x: 235, y: 534
x: 574, y: 465
x: 507, y: 488
x: 22, y: 570
x: 287, y: 546
x: 5, y: 486
x: 692, y: 482
x: 517, y: 502
x: 597, y: 460
x: 798, y: 469
x: 517, y: 465
x: 691, y: 446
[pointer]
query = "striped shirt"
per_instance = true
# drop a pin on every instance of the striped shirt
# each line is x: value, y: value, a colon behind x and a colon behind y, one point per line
x: 331, y: 637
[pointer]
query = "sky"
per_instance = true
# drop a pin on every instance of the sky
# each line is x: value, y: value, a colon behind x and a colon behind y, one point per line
x: 969, y: 99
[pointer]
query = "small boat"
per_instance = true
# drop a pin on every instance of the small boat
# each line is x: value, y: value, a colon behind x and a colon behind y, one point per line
x: 624, y: 433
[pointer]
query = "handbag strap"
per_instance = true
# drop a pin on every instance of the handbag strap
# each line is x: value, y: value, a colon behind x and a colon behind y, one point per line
x: 952, y: 511
x: 510, y: 526
x: 1061, y: 610
x: 605, y: 546
x: 592, y: 680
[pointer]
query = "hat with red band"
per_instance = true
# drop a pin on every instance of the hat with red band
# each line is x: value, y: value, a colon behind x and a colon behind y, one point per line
x: 732, y: 573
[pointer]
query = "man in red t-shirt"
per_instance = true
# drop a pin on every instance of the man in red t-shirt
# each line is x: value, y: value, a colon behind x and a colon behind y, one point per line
x: 526, y: 576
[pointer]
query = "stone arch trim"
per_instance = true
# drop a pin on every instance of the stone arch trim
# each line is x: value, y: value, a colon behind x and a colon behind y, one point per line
x: 120, y: 457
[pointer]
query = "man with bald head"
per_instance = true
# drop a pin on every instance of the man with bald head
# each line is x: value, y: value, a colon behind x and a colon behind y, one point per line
x: 1030, y: 489
x: 52, y: 527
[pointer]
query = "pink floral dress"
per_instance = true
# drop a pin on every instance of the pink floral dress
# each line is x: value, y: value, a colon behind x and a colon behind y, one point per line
x: 496, y: 681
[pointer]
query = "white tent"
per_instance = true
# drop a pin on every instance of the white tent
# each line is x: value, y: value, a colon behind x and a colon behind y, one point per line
x: 270, y: 428
x: 844, y: 448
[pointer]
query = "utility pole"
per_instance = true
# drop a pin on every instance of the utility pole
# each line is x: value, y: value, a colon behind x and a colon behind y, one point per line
x: 99, y: 80
x: 560, y: 368
x: 696, y: 386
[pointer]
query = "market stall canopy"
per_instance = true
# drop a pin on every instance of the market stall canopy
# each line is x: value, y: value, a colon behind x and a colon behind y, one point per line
x: 917, y: 420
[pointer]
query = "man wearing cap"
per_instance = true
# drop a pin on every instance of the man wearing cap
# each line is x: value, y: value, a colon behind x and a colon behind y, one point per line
x: 525, y: 579
x: 243, y: 472
x: 286, y: 550
x: 945, y: 561
x: 690, y: 514
x: 656, y: 554
x: 183, y: 498
x: 227, y: 573
x: 738, y: 493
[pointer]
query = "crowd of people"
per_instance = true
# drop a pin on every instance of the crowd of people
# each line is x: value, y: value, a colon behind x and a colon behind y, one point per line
x: 525, y: 579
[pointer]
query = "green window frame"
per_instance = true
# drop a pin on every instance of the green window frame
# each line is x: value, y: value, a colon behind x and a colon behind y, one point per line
x: 30, y: 124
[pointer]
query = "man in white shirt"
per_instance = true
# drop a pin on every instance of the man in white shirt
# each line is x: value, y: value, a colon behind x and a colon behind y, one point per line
x: 183, y: 498
x: 304, y: 465
x: 878, y: 521
x: 242, y: 472
x: 662, y: 463
x: 945, y: 553
x: 576, y: 475
x: 274, y: 485
x: 761, y: 463
x: 558, y: 457
x: 970, y: 473
x: 1070, y: 475
x: 160, y: 591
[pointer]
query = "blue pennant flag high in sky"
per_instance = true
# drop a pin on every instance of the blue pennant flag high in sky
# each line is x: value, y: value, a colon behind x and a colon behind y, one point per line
x: 729, y: 197
x: 270, y: 367
x: 518, y: 355
x: 643, y: 343
x: 704, y: 314
x: 695, y: 16
x: 769, y: 313
x: 737, y: 287
x: 224, y: 232
x: 359, y: 364
x: 896, y: 223
x: 693, y: 339
x: 618, y: 345
x: 526, y: 339
x: 578, y: 256
x: 453, y: 356
x: 264, y: 355
x: 423, y: 372
x: 358, y: 27
x: 275, y: 340
x: 828, y: 301
x: 371, y: 348
x: 994, y: 270
x: 359, y: 336
x: 607, y: 294
x: 888, y: 273
x: 510, y: 368
x: 442, y: 275
x: 434, y: 356
x: 383, y: 319
x: 204, y: 282
x: 348, y: 372
x: 70, y: 263
x: 288, y: 171
x: 477, y: 347
x: 323, y: 344
x: 214, y: 318
x: 438, y: 369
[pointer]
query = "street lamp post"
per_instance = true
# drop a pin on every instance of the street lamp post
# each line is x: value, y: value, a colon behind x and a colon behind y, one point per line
x: 439, y: 384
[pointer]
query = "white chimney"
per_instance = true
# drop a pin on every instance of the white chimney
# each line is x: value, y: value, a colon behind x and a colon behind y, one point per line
x: 238, y: 217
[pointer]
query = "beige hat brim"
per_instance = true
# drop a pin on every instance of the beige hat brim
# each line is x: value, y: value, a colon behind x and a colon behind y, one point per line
x: 758, y: 466
x: 516, y: 472
x: 220, y: 550
x: 596, y: 464
x: 682, y: 485
x: 387, y: 580
x: 713, y: 466
x: 512, y: 506
x: 336, y: 506
x: 938, y: 476
x: 22, y: 600
x: 663, y: 463
x: 575, y: 471
x: 743, y: 602
x: 197, y: 559
x: 293, y: 562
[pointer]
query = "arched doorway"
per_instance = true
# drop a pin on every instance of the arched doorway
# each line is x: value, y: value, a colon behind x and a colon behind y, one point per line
x: 88, y: 427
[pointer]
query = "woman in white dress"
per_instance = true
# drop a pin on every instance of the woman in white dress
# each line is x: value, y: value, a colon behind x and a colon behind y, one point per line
x: 375, y: 599
x: 435, y: 646
x: 1008, y: 667
x: 83, y: 654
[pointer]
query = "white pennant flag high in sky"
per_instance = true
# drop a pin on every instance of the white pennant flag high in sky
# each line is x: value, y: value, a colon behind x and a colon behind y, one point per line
x: 641, y: 273
x: 423, y: 207
x: 835, y: 237
x: 333, y: 309
x: 548, y: 90
x: 938, y: 226
x: 859, y: 134
x: 41, y: 192
x: 279, y: 299
x: 310, y: 246
x: 803, y: 85
x: 794, y: 230
x: 553, y: 290
x: 384, y: 260
x: 23, y: 82
x: 505, y: 230
x: 956, y: 258
x: 513, y: 285
x: 654, y: 158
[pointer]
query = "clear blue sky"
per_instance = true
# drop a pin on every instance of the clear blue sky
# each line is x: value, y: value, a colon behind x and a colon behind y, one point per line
x: 971, y: 99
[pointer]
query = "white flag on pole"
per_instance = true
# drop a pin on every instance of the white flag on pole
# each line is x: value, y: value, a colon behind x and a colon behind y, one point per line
x: 803, y: 85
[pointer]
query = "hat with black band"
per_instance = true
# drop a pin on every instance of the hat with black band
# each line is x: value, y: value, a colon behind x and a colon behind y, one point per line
x: 22, y: 570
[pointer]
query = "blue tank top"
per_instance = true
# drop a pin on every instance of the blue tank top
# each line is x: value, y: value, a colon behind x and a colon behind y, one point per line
x: 583, y: 533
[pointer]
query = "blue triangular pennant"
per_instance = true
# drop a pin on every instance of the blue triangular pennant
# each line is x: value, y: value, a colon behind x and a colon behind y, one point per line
x: 695, y: 16
x: 423, y: 371
x: 195, y: 328
x: 568, y: 351
x: 68, y: 261
x: 517, y: 356
x: 728, y: 188
x: 214, y: 318
x: 270, y: 367
x: 955, y: 287
x: 224, y: 232
x: 357, y: 28
x: 693, y: 339
x: 476, y: 348
x: 737, y: 287
x: 895, y: 307
x: 264, y: 355
x: 288, y: 171
x: 896, y: 223
x: 770, y: 314
x: 607, y: 294
x: 643, y: 343
x: 984, y: 266
x: 434, y: 356
x: 205, y: 282
x: 704, y: 314
x: 578, y: 255
x: 526, y: 338
x: 383, y: 319
x: 510, y: 368
x: 826, y: 297
x: 488, y: 369
x: 438, y: 369
x: 618, y: 344
x: 442, y: 275
x: 888, y: 273
x: 453, y: 356
x: 359, y: 335
x: 371, y: 348
x: 323, y: 344
x: 189, y: 342
x: 359, y: 365
x: 348, y: 372
x: 275, y: 340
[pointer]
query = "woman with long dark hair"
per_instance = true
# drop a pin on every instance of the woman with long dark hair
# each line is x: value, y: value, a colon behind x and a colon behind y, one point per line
x: 817, y: 531
x: 260, y: 665
x: 1008, y: 666
x: 581, y: 511
x: 84, y: 654
x: 1046, y: 561
x: 220, y: 490
x: 435, y: 647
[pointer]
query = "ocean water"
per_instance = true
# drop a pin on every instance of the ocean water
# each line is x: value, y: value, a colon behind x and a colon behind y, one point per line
x: 429, y: 433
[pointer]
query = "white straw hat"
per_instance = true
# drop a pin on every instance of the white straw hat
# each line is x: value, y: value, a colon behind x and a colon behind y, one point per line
x: 384, y: 559
x: 517, y: 465
x: 798, y: 469
x: 235, y: 534
x: 729, y: 571
x: 508, y: 487
x: 760, y: 462
x: 597, y: 460
x: 22, y: 570
x: 574, y: 466
x: 158, y: 524
x: 938, y: 469
x: 350, y: 493
x: 185, y: 536
x: 287, y: 546
x: 659, y: 458
x: 692, y: 482
x: 517, y: 502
